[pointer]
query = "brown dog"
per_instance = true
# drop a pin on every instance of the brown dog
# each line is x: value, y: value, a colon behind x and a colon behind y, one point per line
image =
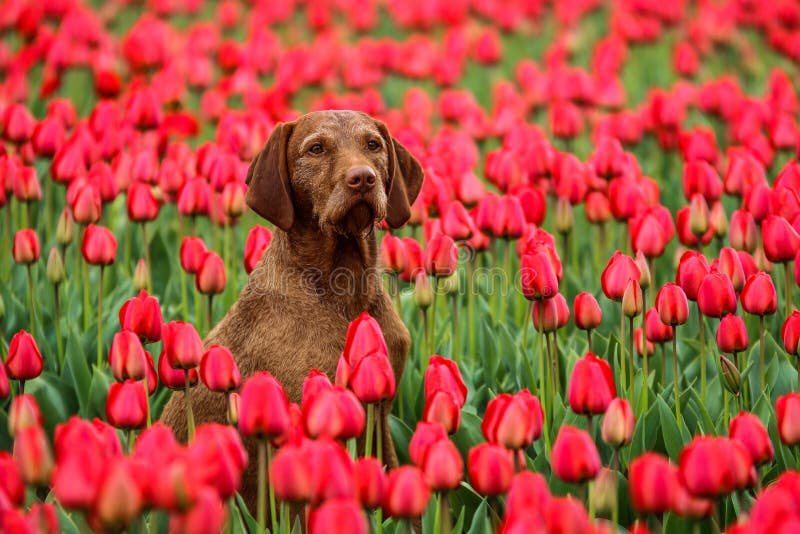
x: 323, y: 180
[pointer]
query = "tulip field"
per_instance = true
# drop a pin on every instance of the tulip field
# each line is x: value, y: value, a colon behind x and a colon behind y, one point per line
x: 599, y: 275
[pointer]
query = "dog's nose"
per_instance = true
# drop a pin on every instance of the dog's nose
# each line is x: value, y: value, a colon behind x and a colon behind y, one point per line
x: 360, y: 178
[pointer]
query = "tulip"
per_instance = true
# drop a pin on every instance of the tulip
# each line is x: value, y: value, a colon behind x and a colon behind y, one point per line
x: 12, y: 487
x: 119, y: 496
x: 514, y: 421
x: 442, y: 407
x: 444, y: 374
x: 591, y: 387
x: 788, y: 411
x: 372, y: 378
x: 289, y: 475
x: 588, y: 314
x: 632, y: 303
x: 17, y: 124
x: 338, y: 515
x: 193, y: 252
x: 127, y: 357
x: 24, y: 412
x: 126, y: 406
x: 442, y: 467
x: 218, y: 369
x: 175, y: 379
x: 539, y: 281
x: 334, y: 412
x: 183, y: 350
x: 618, y: 423
x: 574, y: 457
x: 490, y: 469
x: 692, y: 270
x: 759, y: 298
x: 424, y: 436
x: 24, y: 361
x: 743, y: 233
x: 615, y: 276
x: 258, y: 240
x: 457, y: 222
x: 32, y: 456
x: 26, y: 251
x: 748, y: 429
x: 142, y: 315
x: 657, y: 331
x: 406, y: 494
x: 207, y: 515
x: 65, y: 229
x: 714, y: 466
x: 653, y: 484
x: 790, y: 332
x: 781, y: 245
x: 5, y: 387
x: 716, y: 296
x: 732, y: 335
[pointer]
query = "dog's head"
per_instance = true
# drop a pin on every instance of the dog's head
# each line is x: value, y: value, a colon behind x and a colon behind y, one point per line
x: 341, y: 168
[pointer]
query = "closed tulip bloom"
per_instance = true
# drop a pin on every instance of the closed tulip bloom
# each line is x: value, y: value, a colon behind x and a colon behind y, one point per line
x: 781, y: 241
x: 24, y: 412
x: 699, y: 215
x: 575, y: 458
x: 126, y: 405
x: 32, y: 455
x: 119, y: 497
x: 537, y: 276
x: 442, y: 407
x: 182, y: 345
x: 788, y: 410
x: 730, y: 264
x: 424, y: 435
x: 208, y: 515
x: 26, y: 249
x: 175, y: 378
x: 618, y: 423
x: 490, y: 468
x: 743, y: 232
x: 692, y: 270
x: 218, y: 369
x: 127, y: 357
x: 393, y: 254
x: 289, y: 475
x: 716, y: 296
x: 65, y: 228
x: 24, y: 361
x: 748, y: 429
x: 233, y: 199
x: 55, y: 267
x: 210, y: 278
x: 5, y: 387
x: 758, y: 296
x: 18, y: 124
x: 514, y: 421
x: 264, y: 407
x: 12, y: 487
x: 443, y: 374
x: 335, y: 412
x: 48, y: 136
x: 338, y: 516
x: 732, y: 334
x: 672, y: 305
x: 372, y: 379
x: 528, y: 491
x: 711, y: 467
x: 193, y: 252
x: 657, y: 331
x: 509, y: 218
x: 443, y: 467
x: 142, y: 205
x: 407, y: 494
x: 588, y: 314
x: 457, y: 222
x: 370, y: 481
x: 194, y: 198
x: 258, y: 241
x: 441, y: 256
x: 653, y: 484
x: 790, y: 332
x: 615, y: 276
x: 142, y: 316
x: 26, y: 186
x: 632, y: 303
x: 591, y: 387
x: 99, y: 245
x: 87, y: 205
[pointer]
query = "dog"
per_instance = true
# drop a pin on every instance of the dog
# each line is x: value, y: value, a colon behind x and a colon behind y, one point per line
x: 324, y: 181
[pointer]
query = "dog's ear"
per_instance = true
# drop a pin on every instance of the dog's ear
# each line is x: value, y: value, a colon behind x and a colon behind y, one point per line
x: 270, y: 192
x: 405, y: 180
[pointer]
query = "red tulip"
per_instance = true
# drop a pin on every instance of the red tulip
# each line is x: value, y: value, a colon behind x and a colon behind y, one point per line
x: 26, y: 186
x: 692, y: 270
x: 289, y: 475
x: 653, y: 484
x: 32, y: 456
x: 183, y: 347
x: 338, y: 516
x: 588, y: 314
x: 12, y: 486
x: 575, y: 458
x: 441, y: 256
x: 99, y: 246
x: 193, y: 252
x: 364, y: 337
x: 657, y: 331
x: 48, y: 136
x: 528, y: 492
x: 119, y: 496
x: 443, y: 374
x: 87, y: 204
x: 334, y: 412
x: 210, y: 279
x: 24, y: 361
x: 618, y: 423
x: 758, y: 296
x: 732, y: 334
x: 781, y: 241
x: 716, y: 296
x: 632, y: 299
x: 24, y: 412
x: 142, y: 205
x: 175, y: 378
x: 18, y: 124
x: 591, y: 387
x: 264, y: 407
x: 407, y: 494
x: 5, y: 387
x: 555, y: 313
x: 743, y: 232
x: 127, y: 357
x: 370, y: 482
x: 393, y: 254
x: 258, y: 240
x: 218, y: 369
x: 490, y: 468
x: 233, y: 199
x: 788, y: 410
x: 748, y: 429
x: 194, y: 198
x: 513, y: 421
x: 126, y: 406
x: 442, y: 466
x: 443, y: 408
x: 142, y: 315
x: 144, y: 109
x: 537, y: 276
x: 457, y: 223
x: 206, y: 515
x: 424, y: 436
x: 615, y: 276
x: 608, y: 158
x: 26, y: 248
x: 509, y: 218
x: 672, y: 306
x: 372, y: 378
x: 598, y: 209
x: 711, y: 467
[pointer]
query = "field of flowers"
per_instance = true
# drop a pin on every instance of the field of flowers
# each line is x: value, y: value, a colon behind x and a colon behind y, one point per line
x: 598, y: 276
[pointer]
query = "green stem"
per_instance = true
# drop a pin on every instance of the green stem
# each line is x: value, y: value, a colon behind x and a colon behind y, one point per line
x: 198, y: 307
x: 525, y: 328
x: 189, y: 410
x: 623, y: 375
x: 31, y: 301
x: 726, y: 418
x: 379, y: 436
x: 184, y: 298
x: 129, y: 444
x: 86, y: 304
x: 272, y: 507
x: 542, y: 387
x: 286, y: 519
x: 370, y: 429
x: 456, y: 329
x: 427, y: 338
x: 632, y: 385
x: 443, y: 514
x: 473, y: 331
x: 507, y: 271
x: 762, y: 372
x: 146, y: 247
x: 589, y: 339
x: 431, y: 347
x: 59, y: 341
x: 550, y: 373
x: 261, y: 505
x: 787, y: 280
x: 675, y: 377
x: 209, y: 313
x: 702, y: 356
x: 100, y: 318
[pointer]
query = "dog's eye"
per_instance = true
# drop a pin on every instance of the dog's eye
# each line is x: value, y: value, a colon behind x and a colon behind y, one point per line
x: 316, y: 148
x: 373, y: 145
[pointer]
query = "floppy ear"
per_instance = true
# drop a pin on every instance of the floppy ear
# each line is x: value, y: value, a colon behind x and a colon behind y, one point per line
x: 405, y: 180
x: 269, y: 193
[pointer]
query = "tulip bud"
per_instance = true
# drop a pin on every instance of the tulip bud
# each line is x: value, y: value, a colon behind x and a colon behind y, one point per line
x: 26, y: 249
x: 32, y: 455
x: 234, y: 408
x: 55, y: 267
x: 407, y: 494
x: 575, y: 458
x: 210, y: 278
x: 711, y: 467
x: 719, y: 220
x: 24, y: 361
x: 564, y: 216
x: 423, y: 293
x: 632, y: 303
x: 491, y: 468
x: 218, y: 369
x: 698, y: 215
x: 618, y: 423
x: 24, y: 412
x: 644, y: 269
x: 370, y: 482
x: 65, y: 230
x: 743, y: 231
x: 788, y: 410
x: 604, y: 491
x: 615, y: 276
x: 141, y: 275
x: 588, y: 314
x: 99, y: 245
x: 653, y: 484
x: 449, y: 284
x: 126, y: 406
x: 591, y: 386
x: 345, y: 513
x: 732, y: 334
x: 758, y: 295
x: 443, y: 467
x: 182, y: 345
x: 731, y: 378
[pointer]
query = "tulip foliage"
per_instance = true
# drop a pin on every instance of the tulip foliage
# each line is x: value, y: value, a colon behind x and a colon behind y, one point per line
x: 602, y: 335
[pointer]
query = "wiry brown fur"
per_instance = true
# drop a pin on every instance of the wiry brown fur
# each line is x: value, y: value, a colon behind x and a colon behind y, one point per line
x: 318, y: 274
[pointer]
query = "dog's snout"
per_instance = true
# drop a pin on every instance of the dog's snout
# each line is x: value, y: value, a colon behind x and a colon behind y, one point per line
x: 360, y: 178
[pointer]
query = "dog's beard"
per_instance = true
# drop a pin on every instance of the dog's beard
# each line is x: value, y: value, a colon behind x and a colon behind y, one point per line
x: 357, y: 216
x: 359, y: 219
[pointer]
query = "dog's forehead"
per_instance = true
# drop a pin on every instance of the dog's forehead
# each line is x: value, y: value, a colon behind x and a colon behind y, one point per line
x: 337, y: 123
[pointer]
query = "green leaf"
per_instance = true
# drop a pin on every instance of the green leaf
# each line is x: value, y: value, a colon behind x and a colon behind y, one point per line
x: 669, y: 429
x: 480, y: 521
x: 247, y: 521
x: 55, y: 397
x: 401, y: 436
